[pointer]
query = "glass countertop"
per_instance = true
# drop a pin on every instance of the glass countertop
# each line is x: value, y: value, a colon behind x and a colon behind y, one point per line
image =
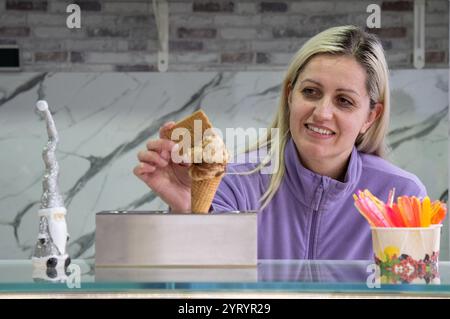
x: 334, y: 277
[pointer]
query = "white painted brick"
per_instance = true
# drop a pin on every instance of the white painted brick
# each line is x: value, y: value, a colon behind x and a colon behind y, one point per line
x: 59, y: 66
x: 92, y: 44
x: 57, y: 6
x: 436, y: 32
x: 226, y: 45
x: 195, y: 57
x: 143, y: 33
x: 281, y: 58
x: 190, y: 21
x: 391, y: 20
x: 53, y: 67
x: 238, y: 33
x: 329, y: 19
x: 151, y: 58
x: 436, y: 44
x: 399, y: 58
x: 236, y: 20
x: 279, y: 20
x: 84, y: 67
x: 180, y: 7
x: 430, y: 19
x: 401, y: 45
x: 58, y: 32
x: 283, y: 45
x: 12, y: 19
x: 94, y: 19
x: 127, y: 7
x: 189, y: 67
x: 245, y: 7
x: 152, y: 45
x: 311, y: 7
x: 121, y: 45
x: 245, y: 33
x: 437, y: 6
x: 68, y: 67
x: 437, y: 18
x: 44, y: 19
x: 39, y: 45
x: 407, y: 19
x: 26, y: 57
x: 109, y: 57
x: 353, y: 6
x: 120, y: 58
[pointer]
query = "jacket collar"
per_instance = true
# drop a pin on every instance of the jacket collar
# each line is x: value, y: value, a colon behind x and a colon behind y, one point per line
x: 304, y: 183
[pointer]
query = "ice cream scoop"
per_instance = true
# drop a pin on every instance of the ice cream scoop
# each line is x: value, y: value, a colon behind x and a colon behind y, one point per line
x: 208, y: 159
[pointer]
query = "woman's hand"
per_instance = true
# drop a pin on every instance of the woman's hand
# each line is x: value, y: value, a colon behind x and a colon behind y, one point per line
x: 168, y: 180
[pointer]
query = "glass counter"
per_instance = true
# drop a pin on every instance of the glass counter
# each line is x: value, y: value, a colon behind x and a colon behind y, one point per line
x: 269, y: 279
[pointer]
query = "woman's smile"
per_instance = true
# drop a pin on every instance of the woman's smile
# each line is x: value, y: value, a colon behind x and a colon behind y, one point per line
x: 319, y: 131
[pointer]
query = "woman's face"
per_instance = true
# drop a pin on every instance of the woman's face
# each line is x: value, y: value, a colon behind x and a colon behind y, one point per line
x: 329, y: 106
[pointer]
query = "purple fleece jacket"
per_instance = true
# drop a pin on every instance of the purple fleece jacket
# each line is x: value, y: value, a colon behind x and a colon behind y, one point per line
x: 313, y: 216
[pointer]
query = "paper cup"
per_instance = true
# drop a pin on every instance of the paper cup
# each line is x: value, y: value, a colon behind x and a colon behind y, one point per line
x: 407, y: 254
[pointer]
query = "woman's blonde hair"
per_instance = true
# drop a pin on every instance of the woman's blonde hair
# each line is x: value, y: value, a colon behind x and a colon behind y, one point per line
x: 343, y: 40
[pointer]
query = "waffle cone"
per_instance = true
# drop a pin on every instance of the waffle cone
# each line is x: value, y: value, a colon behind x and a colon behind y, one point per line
x: 202, y: 194
x: 188, y: 123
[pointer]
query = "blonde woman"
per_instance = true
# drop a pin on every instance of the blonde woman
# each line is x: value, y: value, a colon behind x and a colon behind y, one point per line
x: 332, y: 118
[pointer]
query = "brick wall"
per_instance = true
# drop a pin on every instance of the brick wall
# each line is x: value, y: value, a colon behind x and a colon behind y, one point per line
x: 205, y: 35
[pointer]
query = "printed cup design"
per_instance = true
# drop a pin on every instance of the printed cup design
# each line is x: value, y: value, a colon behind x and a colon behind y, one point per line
x: 407, y: 254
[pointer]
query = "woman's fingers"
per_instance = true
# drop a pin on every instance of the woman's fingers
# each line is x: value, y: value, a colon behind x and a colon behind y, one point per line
x: 152, y: 158
x: 146, y: 168
x: 168, y: 150
x: 163, y: 150
x: 143, y: 168
x: 163, y: 130
x: 160, y: 145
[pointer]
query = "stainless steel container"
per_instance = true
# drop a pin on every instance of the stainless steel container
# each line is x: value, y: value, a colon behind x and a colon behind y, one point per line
x: 157, y: 238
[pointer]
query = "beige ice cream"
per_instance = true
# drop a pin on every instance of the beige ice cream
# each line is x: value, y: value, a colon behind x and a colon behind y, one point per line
x: 209, y: 159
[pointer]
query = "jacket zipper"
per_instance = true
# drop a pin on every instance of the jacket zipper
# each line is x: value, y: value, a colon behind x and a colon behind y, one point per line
x: 312, y: 229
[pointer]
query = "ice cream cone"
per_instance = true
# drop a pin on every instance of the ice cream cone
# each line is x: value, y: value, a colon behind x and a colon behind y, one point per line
x: 207, y: 172
x: 202, y: 194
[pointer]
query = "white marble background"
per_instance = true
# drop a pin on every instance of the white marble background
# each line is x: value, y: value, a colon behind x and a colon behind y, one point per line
x: 104, y: 119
